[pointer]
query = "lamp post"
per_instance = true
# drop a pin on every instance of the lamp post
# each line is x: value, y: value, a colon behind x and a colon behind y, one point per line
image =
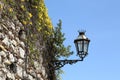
x: 82, y: 44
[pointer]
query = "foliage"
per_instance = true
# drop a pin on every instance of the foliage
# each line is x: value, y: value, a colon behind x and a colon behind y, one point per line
x: 34, y: 17
x: 39, y: 29
x: 59, y: 48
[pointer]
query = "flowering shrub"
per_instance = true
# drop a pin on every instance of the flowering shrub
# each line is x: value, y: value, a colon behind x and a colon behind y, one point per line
x: 29, y: 10
x: 41, y: 38
x: 34, y: 17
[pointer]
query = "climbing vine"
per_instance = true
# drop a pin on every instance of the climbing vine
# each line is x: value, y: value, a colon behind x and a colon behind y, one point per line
x: 36, y: 23
x: 41, y: 37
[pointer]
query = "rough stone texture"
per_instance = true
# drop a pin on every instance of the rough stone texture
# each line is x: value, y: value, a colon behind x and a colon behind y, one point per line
x: 22, y: 52
x: 12, y: 54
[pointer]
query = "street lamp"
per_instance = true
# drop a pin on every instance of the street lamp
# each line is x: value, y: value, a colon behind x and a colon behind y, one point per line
x: 81, y: 43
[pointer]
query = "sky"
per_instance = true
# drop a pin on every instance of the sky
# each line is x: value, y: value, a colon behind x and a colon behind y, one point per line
x: 101, y: 20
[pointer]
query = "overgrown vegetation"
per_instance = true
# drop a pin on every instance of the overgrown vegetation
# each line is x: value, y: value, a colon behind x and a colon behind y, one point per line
x: 34, y: 17
x: 58, y: 48
x: 42, y: 37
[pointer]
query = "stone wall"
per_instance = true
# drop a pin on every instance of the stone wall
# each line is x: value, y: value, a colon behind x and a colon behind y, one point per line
x: 12, y: 55
x: 15, y: 53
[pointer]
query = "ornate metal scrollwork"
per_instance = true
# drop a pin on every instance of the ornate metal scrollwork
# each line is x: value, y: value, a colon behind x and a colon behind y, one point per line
x: 60, y: 63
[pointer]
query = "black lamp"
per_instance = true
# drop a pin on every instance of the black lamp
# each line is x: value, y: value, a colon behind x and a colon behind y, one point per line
x: 81, y: 43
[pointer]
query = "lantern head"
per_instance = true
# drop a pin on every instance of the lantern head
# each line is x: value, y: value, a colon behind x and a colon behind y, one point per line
x: 82, y: 43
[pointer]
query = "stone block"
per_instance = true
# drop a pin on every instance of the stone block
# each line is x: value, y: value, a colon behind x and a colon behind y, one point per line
x: 19, y: 71
x: 0, y: 60
x: 14, y: 42
x: 22, y: 52
x: 2, y: 36
x: 6, y: 62
x: 22, y: 44
x: 20, y: 61
x: 2, y: 75
x: 10, y: 34
x: 11, y: 58
x: 6, y: 41
x: 3, y: 54
x: 10, y: 76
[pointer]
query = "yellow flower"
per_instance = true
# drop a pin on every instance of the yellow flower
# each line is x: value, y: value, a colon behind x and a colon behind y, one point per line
x: 36, y: 7
x: 30, y: 23
x: 10, y: 9
x: 39, y: 15
x: 1, y: 6
x: 50, y: 26
x: 22, y: 0
x: 23, y: 7
x: 39, y: 23
x: 47, y: 20
x: 42, y: 18
x: 39, y: 29
x: 46, y: 14
x: 24, y: 22
x: 47, y: 33
x: 30, y: 15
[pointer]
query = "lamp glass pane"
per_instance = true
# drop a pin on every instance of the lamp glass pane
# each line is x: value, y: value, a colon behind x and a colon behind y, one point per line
x: 76, y: 45
x: 86, y: 43
x: 80, y: 46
